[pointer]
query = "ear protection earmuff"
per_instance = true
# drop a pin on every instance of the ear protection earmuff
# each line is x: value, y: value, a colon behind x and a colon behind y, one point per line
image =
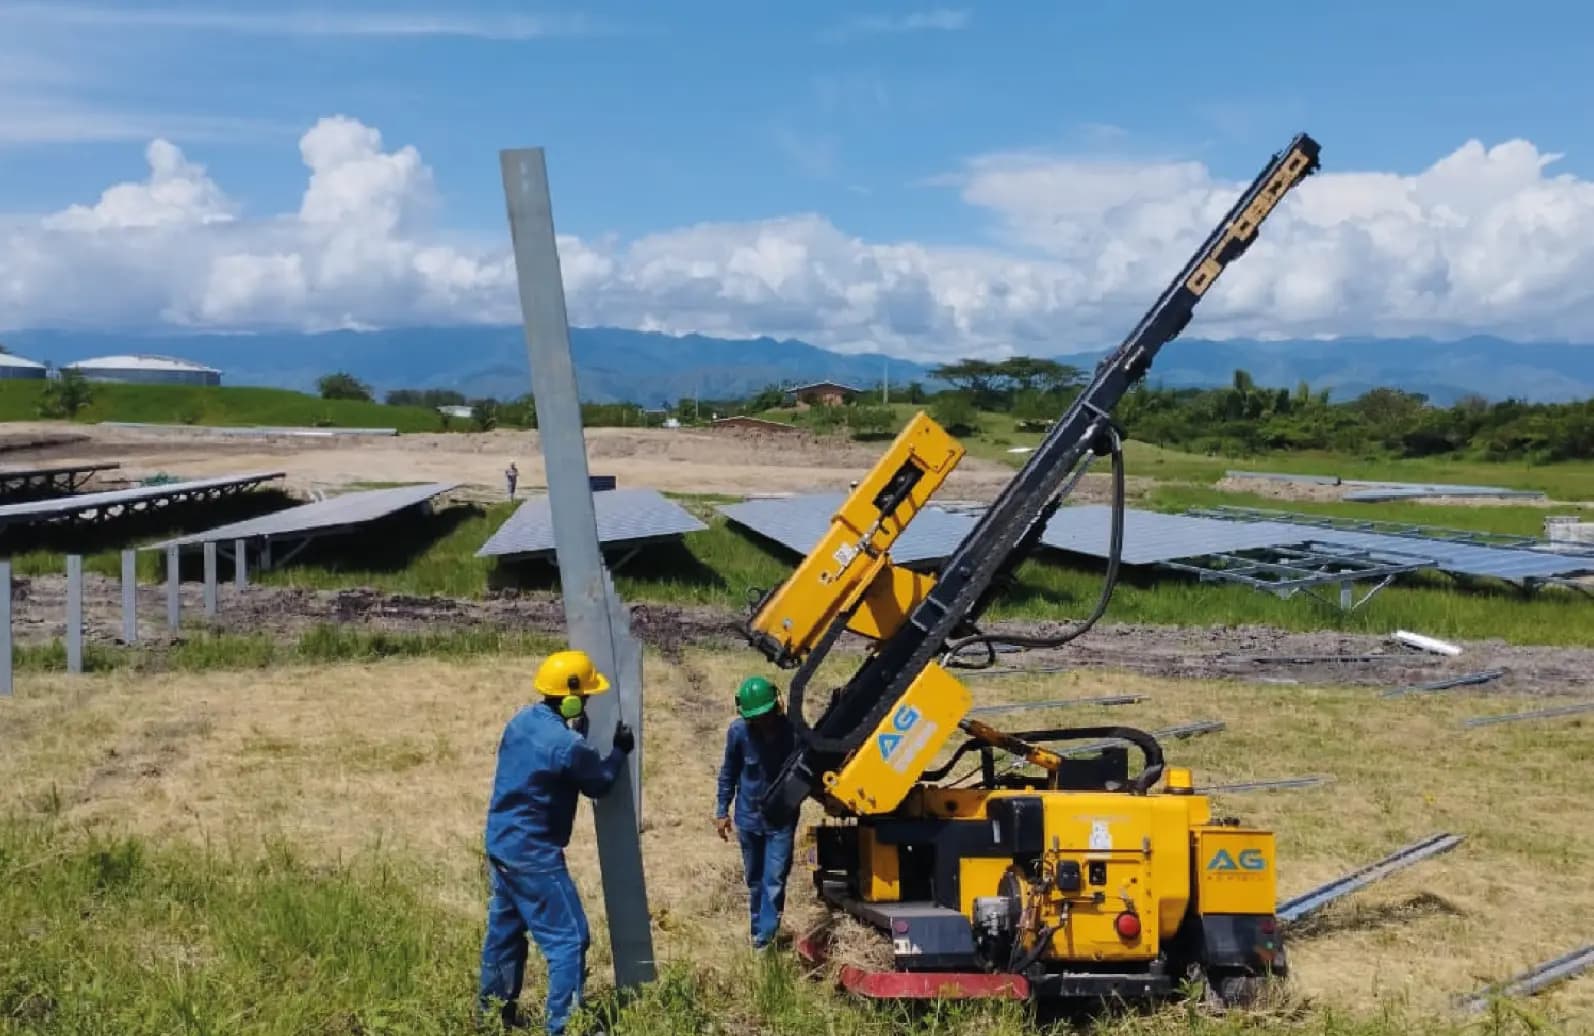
x: 571, y: 704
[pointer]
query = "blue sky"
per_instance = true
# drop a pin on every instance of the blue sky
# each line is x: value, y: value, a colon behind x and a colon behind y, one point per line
x: 870, y: 116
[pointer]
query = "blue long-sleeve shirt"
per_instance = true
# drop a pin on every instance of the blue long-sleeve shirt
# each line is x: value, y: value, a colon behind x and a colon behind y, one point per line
x: 749, y: 765
x: 543, y: 767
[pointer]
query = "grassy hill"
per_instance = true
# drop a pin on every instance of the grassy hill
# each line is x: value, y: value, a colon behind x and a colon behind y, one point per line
x: 219, y: 406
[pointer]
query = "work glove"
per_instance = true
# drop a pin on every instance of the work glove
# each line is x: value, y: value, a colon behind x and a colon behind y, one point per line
x: 624, y: 740
x: 723, y: 826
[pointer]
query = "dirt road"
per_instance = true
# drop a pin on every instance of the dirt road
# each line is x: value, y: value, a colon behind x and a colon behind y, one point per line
x: 670, y: 460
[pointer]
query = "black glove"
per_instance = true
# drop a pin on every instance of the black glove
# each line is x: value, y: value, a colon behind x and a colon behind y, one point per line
x: 624, y: 740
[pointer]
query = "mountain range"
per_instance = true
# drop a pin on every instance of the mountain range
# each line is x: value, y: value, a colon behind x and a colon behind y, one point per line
x: 616, y: 364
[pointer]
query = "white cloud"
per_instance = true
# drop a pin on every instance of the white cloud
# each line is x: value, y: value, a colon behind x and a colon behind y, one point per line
x: 177, y: 192
x: 1486, y: 240
x: 937, y: 19
x: 302, y: 21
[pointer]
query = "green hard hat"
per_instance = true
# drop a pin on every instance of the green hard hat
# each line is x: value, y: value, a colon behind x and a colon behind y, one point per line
x: 755, y: 697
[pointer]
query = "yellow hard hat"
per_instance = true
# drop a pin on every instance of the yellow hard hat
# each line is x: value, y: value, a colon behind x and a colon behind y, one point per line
x: 569, y: 672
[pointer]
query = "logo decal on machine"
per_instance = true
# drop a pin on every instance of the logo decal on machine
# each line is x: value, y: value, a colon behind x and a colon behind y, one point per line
x: 905, y: 727
x: 1250, y: 860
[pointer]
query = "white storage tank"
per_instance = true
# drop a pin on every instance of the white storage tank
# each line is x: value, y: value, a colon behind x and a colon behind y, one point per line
x: 146, y: 370
x: 22, y: 368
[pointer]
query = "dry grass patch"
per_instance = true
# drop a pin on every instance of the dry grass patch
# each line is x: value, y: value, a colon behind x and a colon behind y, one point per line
x: 340, y: 762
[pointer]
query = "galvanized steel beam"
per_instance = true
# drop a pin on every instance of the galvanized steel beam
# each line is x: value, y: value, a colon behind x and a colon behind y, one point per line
x: 593, y: 614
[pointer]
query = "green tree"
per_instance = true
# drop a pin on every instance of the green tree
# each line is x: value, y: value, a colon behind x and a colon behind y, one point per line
x: 343, y: 385
x: 64, y: 396
x: 980, y: 381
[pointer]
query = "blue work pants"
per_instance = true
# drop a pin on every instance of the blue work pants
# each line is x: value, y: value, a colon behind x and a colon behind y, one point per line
x: 766, y: 864
x: 544, y: 902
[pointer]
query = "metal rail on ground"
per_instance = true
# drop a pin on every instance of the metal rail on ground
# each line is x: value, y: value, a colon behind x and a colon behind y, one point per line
x: 1278, y: 784
x: 1513, y: 717
x: 1464, y: 680
x: 1308, y: 903
x: 1534, y: 979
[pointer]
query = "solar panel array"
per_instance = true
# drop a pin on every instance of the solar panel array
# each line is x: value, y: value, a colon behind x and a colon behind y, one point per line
x: 799, y: 522
x: 321, y: 516
x: 84, y: 503
x: 1150, y: 537
x: 623, y: 516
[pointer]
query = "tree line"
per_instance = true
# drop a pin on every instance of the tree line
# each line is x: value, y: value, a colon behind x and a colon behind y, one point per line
x: 1025, y: 393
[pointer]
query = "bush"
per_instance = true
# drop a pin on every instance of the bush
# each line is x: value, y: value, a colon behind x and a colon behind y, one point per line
x: 956, y: 412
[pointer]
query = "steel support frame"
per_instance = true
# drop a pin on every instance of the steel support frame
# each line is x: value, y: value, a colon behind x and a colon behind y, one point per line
x: 1288, y: 570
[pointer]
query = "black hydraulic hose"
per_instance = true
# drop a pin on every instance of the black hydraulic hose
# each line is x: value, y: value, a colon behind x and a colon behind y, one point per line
x: 1033, y: 954
x: 1114, y: 559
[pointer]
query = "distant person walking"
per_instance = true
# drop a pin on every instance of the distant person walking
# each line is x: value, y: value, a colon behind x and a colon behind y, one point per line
x: 511, y: 476
x: 756, y: 746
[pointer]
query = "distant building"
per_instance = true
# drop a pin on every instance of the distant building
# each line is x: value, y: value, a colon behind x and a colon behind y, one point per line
x: 21, y: 368
x: 823, y: 393
x: 146, y: 370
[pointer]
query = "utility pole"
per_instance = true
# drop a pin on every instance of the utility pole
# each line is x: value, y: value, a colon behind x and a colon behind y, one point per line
x: 594, y: 615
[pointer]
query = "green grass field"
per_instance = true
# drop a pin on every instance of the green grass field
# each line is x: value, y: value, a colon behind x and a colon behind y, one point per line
x: 297, y: 850
x: 219, y: 406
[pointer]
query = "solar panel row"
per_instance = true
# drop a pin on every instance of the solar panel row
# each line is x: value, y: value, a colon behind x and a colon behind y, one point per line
x: 624, y: 516
x: 799, y: 522
x: 320, y: 516
x: 1152, y: 538
x: 86, y: 504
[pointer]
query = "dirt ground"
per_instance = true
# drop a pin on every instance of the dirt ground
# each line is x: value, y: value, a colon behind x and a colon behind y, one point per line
x: 397, y: 757
x: 675, y: 460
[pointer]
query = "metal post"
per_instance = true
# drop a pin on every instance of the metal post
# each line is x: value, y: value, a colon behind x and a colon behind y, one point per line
x: 210, y: 578
x: 1346, y: 599
x: 591, y: 606
x: 5, y: 629
x: 174, y: 598
x: 129, y: 597
x: 74, y: 613
x: 240, y: 564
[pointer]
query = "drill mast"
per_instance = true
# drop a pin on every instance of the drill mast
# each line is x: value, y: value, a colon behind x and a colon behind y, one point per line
x: 849, y: 583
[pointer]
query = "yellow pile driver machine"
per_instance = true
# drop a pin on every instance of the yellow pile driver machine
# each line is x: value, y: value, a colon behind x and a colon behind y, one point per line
x: 1087, y: 881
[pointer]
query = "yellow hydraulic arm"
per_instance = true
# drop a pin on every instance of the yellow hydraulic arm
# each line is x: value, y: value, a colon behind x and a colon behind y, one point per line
x: 883, y: 728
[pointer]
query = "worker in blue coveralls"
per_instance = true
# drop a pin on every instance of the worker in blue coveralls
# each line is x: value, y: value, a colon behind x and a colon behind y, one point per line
x: 544, y: 764
x: 756, y: 746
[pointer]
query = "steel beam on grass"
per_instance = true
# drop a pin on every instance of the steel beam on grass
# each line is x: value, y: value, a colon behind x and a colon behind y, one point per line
x: 1276, y: 784
x: 593, y: 613
x: 1513, y: 717
x: 1536, y: 978
x: 1059, y: 703
x: 1308, y: 903
x: 1464, y: 680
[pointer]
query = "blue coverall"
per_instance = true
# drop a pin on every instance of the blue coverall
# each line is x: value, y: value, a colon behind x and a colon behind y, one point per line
x: 750, y: 764
x: 543, y: 766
